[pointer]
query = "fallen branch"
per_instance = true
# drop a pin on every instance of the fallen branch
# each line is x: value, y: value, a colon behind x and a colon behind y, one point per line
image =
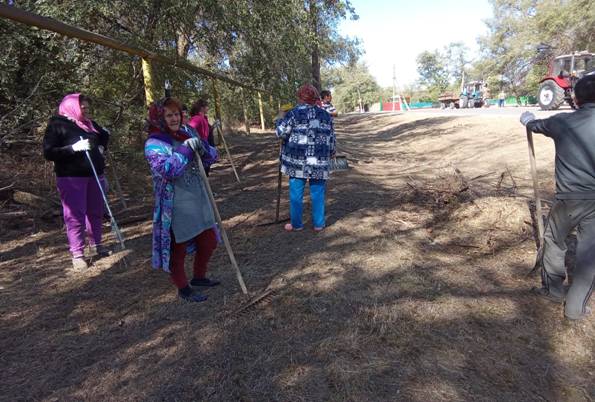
x: 500, y: 180
x: 481, y: 176
x: 134, y: 219
x: 32, y: 200
x: 464, y: 245
x: 2, y: 118
x: 7, y: 187
x: 6, y: 192
x: 12, y: 215
x: 514, y: 186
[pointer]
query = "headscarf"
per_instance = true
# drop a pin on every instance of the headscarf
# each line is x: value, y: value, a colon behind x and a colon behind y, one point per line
x: 286, y: 107
x: 308, y: 94
x: 70, y: 107
x: 156, y: 122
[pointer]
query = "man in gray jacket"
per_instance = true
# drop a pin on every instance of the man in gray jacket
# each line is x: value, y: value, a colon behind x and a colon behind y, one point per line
x: 574, y: 207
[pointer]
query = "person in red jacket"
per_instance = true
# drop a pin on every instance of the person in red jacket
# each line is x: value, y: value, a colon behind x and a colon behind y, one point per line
x: 200, y: 123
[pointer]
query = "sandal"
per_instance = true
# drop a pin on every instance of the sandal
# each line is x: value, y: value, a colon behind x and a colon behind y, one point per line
x: 289, y: 227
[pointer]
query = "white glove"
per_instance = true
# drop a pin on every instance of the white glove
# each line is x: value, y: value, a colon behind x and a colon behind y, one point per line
x: 196, y: 145
x: 101, y: 149
x: 526, y: 117
x: 81, y: 145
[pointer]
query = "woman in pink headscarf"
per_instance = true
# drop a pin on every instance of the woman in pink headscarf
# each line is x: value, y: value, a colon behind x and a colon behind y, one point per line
x: 69, y: 135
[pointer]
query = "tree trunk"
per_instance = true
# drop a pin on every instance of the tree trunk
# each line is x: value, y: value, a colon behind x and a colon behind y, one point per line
x: 245, y: 111
x: 315, y: 50
x: 217, y: 101
x: 182, y: 45
x: 261, y: 111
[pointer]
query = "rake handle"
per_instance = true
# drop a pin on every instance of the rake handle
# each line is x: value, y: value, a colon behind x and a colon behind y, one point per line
x: 232, y: 257
x: 533, y: 164
x: 233, y: 166
x: 279, y: 184
x: 113, y: 222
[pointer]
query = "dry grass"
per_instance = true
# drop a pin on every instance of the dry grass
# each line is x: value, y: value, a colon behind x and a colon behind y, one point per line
x: 416, y: 291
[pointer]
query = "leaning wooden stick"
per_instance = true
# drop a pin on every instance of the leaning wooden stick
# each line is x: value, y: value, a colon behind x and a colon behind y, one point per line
x: 117, y: 183
x: 232, y: 257
x: 538, y: 211
x: 233, y: 166
x: 279, y: 183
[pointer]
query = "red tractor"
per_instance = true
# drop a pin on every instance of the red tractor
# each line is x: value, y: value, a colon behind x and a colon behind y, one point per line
x: 564, y: 71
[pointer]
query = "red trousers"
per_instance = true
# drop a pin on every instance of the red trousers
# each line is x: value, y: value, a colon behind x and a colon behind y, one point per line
x: 206, y: 243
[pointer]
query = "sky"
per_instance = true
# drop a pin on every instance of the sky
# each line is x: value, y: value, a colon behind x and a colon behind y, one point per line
x: 396, y: 31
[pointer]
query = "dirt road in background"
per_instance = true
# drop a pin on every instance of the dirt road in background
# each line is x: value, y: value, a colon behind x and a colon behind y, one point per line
x: 416, y: 290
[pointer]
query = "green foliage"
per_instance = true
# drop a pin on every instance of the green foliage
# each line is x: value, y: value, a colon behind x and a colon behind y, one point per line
x: 456, y: 56
x: 265, y: 44
x: 433, y: 71
x: 518, y: 28
x: 440, y: 70
x: 350, y: 84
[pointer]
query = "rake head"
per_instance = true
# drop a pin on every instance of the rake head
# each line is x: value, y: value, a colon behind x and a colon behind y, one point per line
x: 254, y: 302
x: 339, y: 163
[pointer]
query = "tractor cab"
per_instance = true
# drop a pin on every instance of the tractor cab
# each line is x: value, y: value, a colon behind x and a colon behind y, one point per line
x: 563, y: 73
x: 472, y: 94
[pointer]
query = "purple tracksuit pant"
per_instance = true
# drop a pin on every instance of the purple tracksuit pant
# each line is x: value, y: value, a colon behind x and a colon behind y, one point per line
x: 82, y: 205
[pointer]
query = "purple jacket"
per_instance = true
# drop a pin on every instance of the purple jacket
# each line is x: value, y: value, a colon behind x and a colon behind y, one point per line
x: 166, y: 164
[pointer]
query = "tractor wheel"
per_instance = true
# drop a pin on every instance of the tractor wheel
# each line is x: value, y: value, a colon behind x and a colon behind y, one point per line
x: 550, y: 96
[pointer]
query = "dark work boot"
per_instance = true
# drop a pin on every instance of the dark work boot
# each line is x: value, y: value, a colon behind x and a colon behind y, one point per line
x: 99, y: 251
x: 545, y: 294
x: 204, y: 282
x: 188, y: 294
x: 582, y: 316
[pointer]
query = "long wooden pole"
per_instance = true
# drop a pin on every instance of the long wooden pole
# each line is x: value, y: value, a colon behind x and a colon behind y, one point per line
x: 220, y: 136
x: 261, y: 111
x: 217, y: 101
x: 245, y: 111
x: 232, y: 257
x: 233, y: 166
x: 279, y: 184
x: 117, y: 183
x: 50, y: 24
x: 149, y: 81
x: 538, y: 210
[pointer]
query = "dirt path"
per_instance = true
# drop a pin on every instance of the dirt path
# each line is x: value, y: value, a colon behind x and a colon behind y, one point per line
x: 416, y: 291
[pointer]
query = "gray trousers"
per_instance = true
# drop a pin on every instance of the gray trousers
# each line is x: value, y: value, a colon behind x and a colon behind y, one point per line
x: 565, y: 215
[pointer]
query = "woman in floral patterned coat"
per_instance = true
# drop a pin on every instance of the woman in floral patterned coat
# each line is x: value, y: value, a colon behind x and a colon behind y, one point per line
x: 308, y: 145
x: 183, y: 218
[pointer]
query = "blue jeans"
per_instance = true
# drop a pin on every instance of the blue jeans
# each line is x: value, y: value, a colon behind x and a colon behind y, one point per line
x: 296, y: 201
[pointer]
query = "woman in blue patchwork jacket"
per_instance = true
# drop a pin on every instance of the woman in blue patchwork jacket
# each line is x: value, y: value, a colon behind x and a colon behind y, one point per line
x: 308, y: 145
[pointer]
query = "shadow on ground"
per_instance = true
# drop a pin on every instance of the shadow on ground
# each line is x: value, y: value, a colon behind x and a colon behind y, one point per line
x: 400, y: 298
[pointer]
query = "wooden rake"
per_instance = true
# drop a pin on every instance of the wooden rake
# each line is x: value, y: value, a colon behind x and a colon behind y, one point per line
x: 537, y: 198
x: 232, y: 257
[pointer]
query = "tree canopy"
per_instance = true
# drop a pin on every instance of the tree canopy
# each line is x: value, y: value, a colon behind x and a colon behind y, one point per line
x: 266, y: 44
x: 350, y: 84
x: 513, y: 49
x: 523, y: 36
